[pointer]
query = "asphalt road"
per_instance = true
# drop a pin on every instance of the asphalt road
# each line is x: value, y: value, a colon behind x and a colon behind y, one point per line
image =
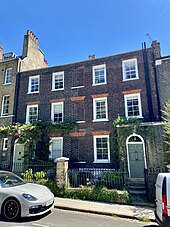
x: 63, y: 218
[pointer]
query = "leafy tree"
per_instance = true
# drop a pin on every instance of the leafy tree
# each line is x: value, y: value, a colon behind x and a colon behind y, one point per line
x: 166, y: 118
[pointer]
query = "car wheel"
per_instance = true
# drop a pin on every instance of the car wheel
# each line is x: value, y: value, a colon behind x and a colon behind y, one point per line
x: 11, y: 209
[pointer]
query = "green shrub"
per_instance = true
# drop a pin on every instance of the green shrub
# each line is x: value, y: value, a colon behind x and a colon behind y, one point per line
x: 100, y: 194
x: 28, y: 175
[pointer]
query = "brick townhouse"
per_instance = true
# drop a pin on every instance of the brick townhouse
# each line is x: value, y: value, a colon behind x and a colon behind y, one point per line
x: 95, y: 92
x: 10, y: 65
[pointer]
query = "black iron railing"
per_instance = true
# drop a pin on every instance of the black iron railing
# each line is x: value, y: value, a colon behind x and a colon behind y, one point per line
x: 108, y: 178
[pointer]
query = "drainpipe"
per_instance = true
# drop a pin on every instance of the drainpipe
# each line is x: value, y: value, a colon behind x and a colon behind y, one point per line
x: 147, y: 80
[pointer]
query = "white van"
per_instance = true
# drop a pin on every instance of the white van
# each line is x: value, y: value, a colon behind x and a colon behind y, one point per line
x: 162, y: 212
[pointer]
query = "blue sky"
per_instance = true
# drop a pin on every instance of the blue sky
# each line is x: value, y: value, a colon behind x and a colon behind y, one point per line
x: 70, y: 30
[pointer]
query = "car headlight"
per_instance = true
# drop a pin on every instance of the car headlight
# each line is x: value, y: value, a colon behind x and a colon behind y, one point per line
x: 29, y: 197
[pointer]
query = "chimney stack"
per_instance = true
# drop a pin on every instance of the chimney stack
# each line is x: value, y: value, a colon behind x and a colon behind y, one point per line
x: 1, y: 53
x: 156, y: 49
x: 92, y: 56
x: 31, y: 34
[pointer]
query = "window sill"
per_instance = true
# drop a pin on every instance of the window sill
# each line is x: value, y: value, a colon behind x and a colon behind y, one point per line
x: 61, y: 89
x: 137, y: 117
x: 3, y: 116
x: 137, y: 78
x: 80, y: 122
x: 100, y: 120
x: 29, y: 93
x: 102, y: 161
x: 7, y: 84
x: 77, y: 87
x: 98, y: 84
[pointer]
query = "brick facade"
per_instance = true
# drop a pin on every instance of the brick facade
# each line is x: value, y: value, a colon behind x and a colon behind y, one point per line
x: 79, y: 93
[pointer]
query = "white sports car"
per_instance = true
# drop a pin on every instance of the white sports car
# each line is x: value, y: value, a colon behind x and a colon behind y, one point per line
x: 21, y: 199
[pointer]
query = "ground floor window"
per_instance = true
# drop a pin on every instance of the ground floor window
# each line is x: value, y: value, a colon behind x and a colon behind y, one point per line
x: 5, y: 144
x: 101, y: 149
x: 56, y: 147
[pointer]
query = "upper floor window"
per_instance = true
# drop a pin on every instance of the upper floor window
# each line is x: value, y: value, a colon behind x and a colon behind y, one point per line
x: 99, y: 74
x: 130, y: 69
x: 32, y: 113
x: 5, y: 105
x: 100, y: 112
x: 33, y: 86
x: 58, y: 81
x: 101, y: 148
x: 5, y: 144
x: 56, y: 147
x: 133, y: 106
x: 57, y: 112
x: 8, y: 75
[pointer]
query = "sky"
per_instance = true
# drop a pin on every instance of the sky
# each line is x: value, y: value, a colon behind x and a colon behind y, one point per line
x: 71, y: 30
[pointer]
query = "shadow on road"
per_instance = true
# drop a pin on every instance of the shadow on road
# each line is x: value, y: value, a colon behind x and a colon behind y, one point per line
x: 26, y: 219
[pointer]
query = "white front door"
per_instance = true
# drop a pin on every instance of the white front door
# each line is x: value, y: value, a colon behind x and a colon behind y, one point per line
x: 18, y: 158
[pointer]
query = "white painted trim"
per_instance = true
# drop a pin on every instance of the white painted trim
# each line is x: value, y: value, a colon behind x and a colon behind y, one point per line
x: 103, y: 66
x: 50, y: 147
x: 144, y: 153
x: 29, y: 84
x: 124, y: 62
x: 2, y: 106
x: 27, y: 112
x: 77, y: 87
x: 4, y: 143
x: 53, y: 80
x: 6, y: 75
x: 140, y: 105
x: 52, y: 109
x: 95, y: 150
x: 94, y: 109
x: 7, y: 116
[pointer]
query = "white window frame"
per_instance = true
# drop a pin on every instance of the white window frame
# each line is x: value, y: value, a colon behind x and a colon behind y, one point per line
x: 136, y: 69
x: 98, y: 67
x: 5, y: 144
x: 52, y: 110
x: 27, y: 112
x: 94, y: 109
x: 50, y: 147
x: 95, y: 149
x: 6, y: 74
x: 53, y: 80
x: 126, y: 97
x: 29, y: 84
x: 2, y: 110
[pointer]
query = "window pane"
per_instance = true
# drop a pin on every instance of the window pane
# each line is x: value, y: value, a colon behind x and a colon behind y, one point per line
x: 5, y: 105
x: 100, y: 109
x: 33, y: 114
x: 34, y: 84
x: 133, y: 106
x: 58, y: 82
x: 56, y: 148
x: 102, y: 148
x: 58, y: 113
x: 8, y: 76
x: 130, y: 69
x: 99, y: 75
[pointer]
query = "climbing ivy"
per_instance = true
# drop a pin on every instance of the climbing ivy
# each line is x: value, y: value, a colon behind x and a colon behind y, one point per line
x: 121, y: 129
x: 35, y: 136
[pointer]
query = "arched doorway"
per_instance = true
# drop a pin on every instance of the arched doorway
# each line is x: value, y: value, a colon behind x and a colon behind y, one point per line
x: 136, y: 156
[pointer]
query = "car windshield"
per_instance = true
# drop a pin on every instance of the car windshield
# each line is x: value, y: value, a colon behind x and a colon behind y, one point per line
x: 10, y: 180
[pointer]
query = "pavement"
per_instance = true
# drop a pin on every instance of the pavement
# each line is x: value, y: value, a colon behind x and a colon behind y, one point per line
x: 126, y: 211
